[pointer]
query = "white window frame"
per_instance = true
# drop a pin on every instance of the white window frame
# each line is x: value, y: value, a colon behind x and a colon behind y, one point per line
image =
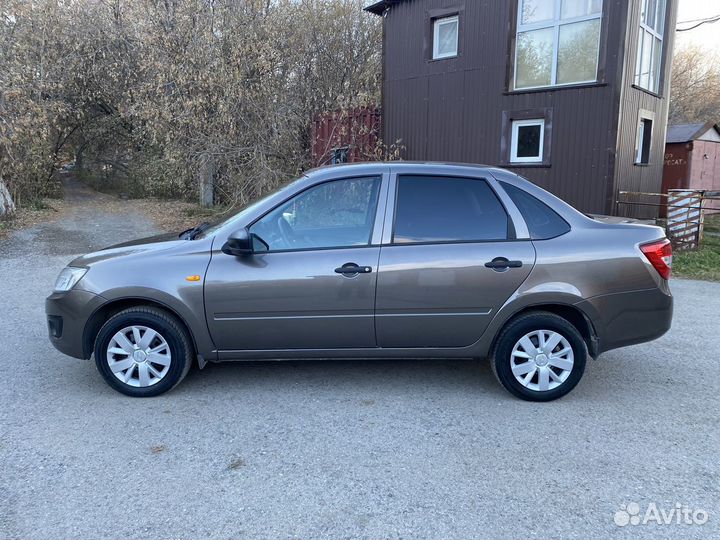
x: 555, y: 24
x: 514, y: 130
x: 437, y: 23
x: 657, y: 40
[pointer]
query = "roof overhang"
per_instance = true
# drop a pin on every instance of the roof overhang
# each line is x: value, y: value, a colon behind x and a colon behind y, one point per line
x: 379, y: 8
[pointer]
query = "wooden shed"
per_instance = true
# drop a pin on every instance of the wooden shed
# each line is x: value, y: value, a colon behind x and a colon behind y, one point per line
x: 692, y: 157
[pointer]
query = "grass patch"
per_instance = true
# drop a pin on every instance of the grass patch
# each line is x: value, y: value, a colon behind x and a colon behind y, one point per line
x: 703, y: 263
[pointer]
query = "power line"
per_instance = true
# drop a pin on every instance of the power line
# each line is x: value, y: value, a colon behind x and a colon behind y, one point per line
x: 700, y: 19
x: 699, y: 22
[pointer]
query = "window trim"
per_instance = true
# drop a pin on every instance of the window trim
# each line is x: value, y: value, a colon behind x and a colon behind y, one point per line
x: 508, y: 117
x: 555, y: 24
x: 511, y: 232
x: 655, y: 86
x: 643, y: 117
x: 515, y: 126
x: 436, y: 23
x: 374, y: 241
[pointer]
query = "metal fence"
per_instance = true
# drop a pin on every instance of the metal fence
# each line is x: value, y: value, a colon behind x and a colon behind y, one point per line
x: 686, y: 212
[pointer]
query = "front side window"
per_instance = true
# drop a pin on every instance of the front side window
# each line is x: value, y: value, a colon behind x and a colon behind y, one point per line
x: 527, y: 141
x: 330, y: 215
x: 557, y: 43
x: 443, y: 209
x: 650, y: 45
x: 445, y: 37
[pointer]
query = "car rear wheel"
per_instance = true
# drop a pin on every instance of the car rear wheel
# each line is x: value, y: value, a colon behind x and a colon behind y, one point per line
x: 143, y: 352
x: 539, y: 357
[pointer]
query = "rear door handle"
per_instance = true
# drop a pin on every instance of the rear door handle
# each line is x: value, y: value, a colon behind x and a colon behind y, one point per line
x: 352, y: 269
x: 501, y: 263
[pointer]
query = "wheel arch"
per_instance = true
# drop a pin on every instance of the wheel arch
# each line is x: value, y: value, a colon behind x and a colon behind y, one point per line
x: 111, y: 308
x: 574, y: 315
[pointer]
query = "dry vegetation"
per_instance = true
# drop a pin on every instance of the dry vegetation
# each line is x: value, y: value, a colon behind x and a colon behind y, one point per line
x: 695, y: 93
x: 153, y: 97
x: 27, y: 216
x: 167, y: 215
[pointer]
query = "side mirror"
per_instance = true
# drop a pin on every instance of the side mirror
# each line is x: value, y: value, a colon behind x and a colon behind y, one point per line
x: 238, y: 243
x: 243, y: 242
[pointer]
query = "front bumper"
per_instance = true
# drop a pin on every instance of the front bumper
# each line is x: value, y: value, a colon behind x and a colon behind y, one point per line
x: 67, y: 314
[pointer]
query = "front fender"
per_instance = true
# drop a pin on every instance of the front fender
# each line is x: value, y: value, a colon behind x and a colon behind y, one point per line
x: 188, y: 305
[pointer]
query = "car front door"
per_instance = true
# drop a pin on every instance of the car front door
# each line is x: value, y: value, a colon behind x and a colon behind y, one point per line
x: 450, y: 259
x: 311, y: 284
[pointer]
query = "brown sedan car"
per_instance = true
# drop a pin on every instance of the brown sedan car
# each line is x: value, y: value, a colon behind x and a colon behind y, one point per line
x: 377, y: 260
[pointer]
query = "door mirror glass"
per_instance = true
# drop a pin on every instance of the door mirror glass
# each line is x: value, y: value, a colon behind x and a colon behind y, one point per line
x: 334, y: 214
x: 242, y: 242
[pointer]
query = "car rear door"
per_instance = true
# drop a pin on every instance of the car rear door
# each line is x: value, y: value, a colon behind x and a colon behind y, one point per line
x: 450, y: 259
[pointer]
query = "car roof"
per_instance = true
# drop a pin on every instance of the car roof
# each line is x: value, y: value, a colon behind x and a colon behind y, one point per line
x: 377, y: 167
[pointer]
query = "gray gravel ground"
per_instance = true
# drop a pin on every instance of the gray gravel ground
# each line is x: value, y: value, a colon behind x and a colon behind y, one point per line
x: 400, y: 449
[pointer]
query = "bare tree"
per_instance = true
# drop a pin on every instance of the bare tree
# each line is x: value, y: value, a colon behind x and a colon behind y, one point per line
x: 163, y: 96
x: 695, y: 92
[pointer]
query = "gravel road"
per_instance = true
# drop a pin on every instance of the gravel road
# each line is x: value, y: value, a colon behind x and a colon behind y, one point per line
x: 364, y: 449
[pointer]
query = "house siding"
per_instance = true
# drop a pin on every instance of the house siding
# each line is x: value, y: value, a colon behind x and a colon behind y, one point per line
x: 628, y: 175
x: 452, y: 109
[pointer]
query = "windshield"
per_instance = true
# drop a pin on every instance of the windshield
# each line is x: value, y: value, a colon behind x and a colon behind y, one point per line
x: 242, y: 213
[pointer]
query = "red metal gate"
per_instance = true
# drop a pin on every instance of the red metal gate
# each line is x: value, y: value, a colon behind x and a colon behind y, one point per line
x: 346, y: 136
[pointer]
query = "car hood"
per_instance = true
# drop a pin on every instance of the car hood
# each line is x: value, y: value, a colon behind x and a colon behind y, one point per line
x: 134, y: 247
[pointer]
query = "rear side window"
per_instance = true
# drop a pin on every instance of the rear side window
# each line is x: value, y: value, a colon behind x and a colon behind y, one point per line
x: 542, y: 221
x: 445, y: 209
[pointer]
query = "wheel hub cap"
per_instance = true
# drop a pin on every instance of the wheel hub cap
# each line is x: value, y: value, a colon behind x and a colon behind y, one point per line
x: 542, y: 360
x: 138, y: 356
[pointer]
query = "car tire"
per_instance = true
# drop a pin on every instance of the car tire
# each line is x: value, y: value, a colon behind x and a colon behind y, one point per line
x: 533, y: 372
x: 164, y: 361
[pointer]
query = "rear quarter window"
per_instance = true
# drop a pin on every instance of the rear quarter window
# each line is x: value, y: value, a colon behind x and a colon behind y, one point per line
x: 542, y: 221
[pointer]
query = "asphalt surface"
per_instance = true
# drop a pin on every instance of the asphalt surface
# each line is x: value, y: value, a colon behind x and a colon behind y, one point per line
x: 364, y: 449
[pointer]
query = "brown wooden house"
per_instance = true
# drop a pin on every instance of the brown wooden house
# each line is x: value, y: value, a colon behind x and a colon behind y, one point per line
x: 571, y: 94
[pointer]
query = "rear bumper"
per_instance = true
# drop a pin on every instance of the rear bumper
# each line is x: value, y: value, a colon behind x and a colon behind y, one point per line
x: 67, y: 314
x: 629, y: 318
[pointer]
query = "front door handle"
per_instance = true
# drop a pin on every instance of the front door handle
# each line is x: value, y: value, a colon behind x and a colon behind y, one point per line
x: 353, y: 269
x: 501, y: 263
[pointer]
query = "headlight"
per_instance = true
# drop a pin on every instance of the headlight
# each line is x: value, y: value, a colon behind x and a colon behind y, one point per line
x: 68, y: 278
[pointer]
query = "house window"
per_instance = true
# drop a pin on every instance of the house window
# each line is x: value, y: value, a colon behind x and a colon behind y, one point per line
x: 558, y: 42
x: 650, y: 45
x: 445, y: 37
x: 643, y: 142
x: 527, y: 139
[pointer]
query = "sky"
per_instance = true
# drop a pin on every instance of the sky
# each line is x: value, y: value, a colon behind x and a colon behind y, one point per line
x: 707, y: 34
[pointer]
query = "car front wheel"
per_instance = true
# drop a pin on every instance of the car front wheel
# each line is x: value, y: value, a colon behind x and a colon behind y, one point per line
x: 143, y: 352
x: 539, y: 357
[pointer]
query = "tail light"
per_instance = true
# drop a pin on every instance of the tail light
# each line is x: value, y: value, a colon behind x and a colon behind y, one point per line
x: 659, y: 253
